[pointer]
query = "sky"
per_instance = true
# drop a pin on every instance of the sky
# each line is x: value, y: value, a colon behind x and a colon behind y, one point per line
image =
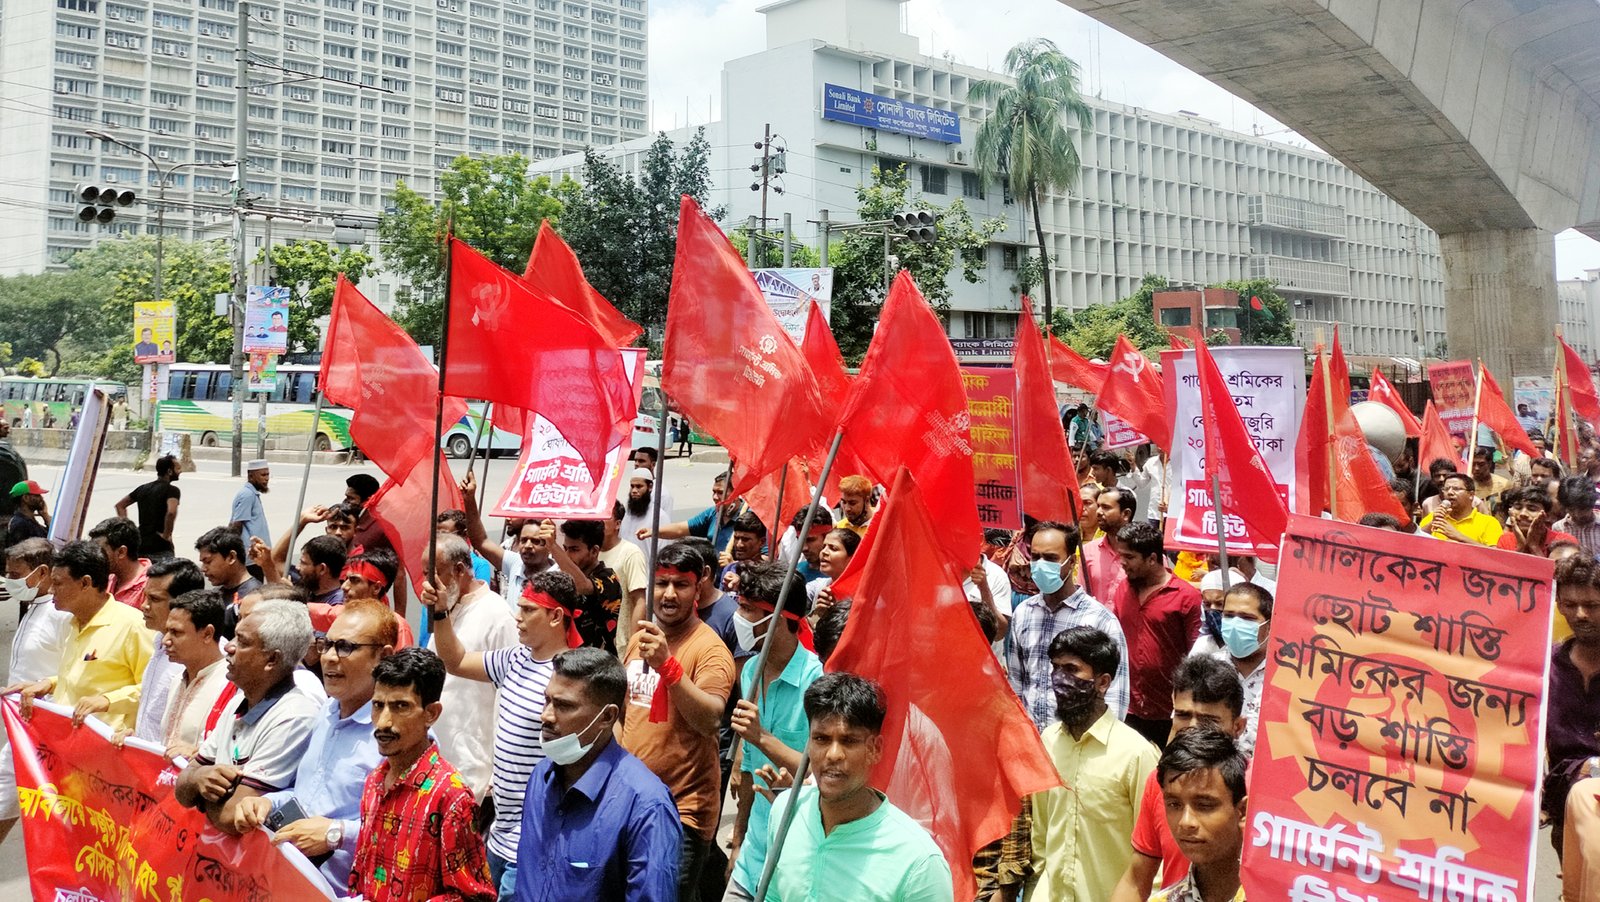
x: 691, y: 39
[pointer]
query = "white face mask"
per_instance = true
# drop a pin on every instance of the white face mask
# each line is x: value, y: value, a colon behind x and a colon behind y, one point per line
x: 744, y: 631
x: 19, y: 590
x: 571, y: 748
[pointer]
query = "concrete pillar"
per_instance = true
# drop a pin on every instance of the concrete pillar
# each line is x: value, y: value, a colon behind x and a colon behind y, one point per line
x: 1500, y: 300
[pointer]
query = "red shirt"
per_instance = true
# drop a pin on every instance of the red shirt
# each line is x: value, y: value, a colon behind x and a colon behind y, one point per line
x: 131, y: 593
x: 417, y: 843
x: 1153, y: 838
x: 1105, y: 581
x: 1508, y: 540
x: 1159, y: 631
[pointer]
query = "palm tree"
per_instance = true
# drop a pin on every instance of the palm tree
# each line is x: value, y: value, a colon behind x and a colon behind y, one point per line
x: 1027, y: 140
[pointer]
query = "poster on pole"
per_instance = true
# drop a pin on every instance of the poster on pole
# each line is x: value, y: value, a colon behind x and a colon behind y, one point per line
x: 1454, y: 392
x: 1268, y: 386
x: 76, y: 484
x: 551, y: 480
x: 266, y: 319
x: 1534, y: 397
x: 1118, y: 434
x: 263, y: 373
x: 154, y: 325
x: 990, y: 393
x: 789, y: 292
x: 1401, y: 720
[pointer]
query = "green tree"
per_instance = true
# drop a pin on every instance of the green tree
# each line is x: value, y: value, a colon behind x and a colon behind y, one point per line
x: 1271, y: 325
x: 1027, y: 139
x: 858, y: 259
x: 310, y: 270
x: 41, y: 311
x: 1093, y: 330
x: 624, y: 228
x: 491, y: 203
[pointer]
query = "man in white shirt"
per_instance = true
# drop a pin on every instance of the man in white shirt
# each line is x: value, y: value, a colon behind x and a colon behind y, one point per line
x: 201, y: 692
x: 994, y: 591
x: 639, y: 508
x: 165, y: 580
x: 533, y: 557
x: 627, y: 561
x: 35, y: 650
x: 481, y: 620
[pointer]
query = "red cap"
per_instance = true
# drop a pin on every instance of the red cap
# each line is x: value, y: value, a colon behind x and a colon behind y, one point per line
x: 27, y: 487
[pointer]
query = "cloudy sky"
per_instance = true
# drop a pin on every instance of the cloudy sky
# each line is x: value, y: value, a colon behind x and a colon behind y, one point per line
x: 690, y: 40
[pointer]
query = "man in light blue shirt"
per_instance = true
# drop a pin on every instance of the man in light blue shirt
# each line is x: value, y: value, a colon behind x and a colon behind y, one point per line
x: 249, y: 518
x: 321, y: 814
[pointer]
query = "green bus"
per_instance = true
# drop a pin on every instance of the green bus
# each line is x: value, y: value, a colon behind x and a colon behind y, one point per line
x: 200, y: 402
x: 28, y: 402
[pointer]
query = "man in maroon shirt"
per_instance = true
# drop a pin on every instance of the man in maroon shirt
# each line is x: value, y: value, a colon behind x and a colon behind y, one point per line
x: 1160, y: 617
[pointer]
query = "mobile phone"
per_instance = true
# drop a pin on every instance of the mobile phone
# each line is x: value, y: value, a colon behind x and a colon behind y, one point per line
x: 287, y: 813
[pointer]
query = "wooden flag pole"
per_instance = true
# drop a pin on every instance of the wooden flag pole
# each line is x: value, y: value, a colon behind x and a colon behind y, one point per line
x: 477, y: 441
x: 1074, y: 500
x: 655, y: 511
x: 438, y: 415
x: 1477, y: 402
x: 1327, y: 406
x: 1222, y: 531
x: 775, y: 532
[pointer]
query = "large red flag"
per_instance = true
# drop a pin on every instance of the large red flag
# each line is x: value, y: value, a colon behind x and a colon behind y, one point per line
x: 1076, y: 370
x: 728, y: 364
x: 1361, y: 487
x: 554, y: 269
x: 763, y: 501
x: 1494, y: 412
x: 370, y: 365
x: 1048, y: 475
x: 1436, y: 443
x: 959, y: 752
x: 515, y: 345
x: 1580, y: 383
x: 1565, y: 437
x: 1311, y: 445
x: 822, y: 355
x: 1133, y: 393
x: 1383, y: 391
x: 1339, y: 370
x: 908, y: 407
x: 1248, y: 490
x: 401, y: 508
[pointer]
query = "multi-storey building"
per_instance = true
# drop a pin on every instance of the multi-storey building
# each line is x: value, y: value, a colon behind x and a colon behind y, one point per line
x: 341, y: 99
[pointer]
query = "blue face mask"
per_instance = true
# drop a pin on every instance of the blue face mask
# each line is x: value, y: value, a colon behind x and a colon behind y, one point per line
x: 1046, y: 575
x: 1213, y: 623
x: 1243, y: 637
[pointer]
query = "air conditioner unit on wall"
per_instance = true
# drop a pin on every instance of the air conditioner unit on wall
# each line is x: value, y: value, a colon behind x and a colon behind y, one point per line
x: 958, y: 156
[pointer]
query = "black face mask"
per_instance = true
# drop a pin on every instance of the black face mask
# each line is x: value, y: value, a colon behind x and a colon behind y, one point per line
x: 1074, y: 695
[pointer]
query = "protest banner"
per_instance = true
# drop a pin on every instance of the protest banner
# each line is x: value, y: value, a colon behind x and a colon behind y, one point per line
x: 990, y: 392
x: 1118, y: 434
x: 266, y: 319
x: 1538, y: 394
x: 154, y: 323
x: 101, y: 823
x: 1400, y: 723
x: 1455, y: 388
x: 1268, y: 386
x: 551, y: 480
x: 789, y: 292
x: 78, y: 475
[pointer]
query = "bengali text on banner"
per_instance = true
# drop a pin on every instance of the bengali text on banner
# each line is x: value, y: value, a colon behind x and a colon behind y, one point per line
x: 1454, y: 394
x: 101, y: 823
x: 551, y: 480
x: 991, y: 391
x: 1400, y: 720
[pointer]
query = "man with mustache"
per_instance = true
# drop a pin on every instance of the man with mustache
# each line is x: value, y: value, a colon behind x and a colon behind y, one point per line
x: 641, y: 503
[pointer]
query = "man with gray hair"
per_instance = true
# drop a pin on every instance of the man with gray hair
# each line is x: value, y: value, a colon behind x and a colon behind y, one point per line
x: 259, y: 738
x: 481, y: 621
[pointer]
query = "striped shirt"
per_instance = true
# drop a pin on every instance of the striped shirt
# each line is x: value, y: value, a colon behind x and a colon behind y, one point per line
x: 1033, y: 625
x: 518, y: 743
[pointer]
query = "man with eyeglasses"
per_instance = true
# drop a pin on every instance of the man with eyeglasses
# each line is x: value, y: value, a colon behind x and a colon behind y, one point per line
x: 321, y: 814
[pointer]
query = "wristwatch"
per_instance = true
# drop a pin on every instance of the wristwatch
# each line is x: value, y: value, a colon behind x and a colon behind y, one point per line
x: 336, y: 834
x: 436, y: 615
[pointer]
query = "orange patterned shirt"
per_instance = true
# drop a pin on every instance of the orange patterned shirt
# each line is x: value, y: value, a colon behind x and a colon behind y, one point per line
x: 417, y: 843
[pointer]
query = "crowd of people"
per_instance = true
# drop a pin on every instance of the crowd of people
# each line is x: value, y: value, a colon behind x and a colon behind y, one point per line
x: 557, y: 737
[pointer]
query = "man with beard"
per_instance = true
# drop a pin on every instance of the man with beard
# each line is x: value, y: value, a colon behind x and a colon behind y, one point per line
x: 1114, y: 508
x: 249, y: 517
x: 641, y: 501
x: 627, y: 562
x: 714, y: 523
x: 1160, y: 617
x: 1079, y: 843
x: 157, y: 502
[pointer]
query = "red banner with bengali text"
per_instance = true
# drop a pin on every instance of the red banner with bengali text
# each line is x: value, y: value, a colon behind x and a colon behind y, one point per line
x: 101, y: 823
x: 1400, y: 720
x: 991, y: 391
x: 1455, y: 389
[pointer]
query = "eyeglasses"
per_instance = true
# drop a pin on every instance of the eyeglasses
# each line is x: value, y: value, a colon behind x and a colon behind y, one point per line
x: 342, y: 648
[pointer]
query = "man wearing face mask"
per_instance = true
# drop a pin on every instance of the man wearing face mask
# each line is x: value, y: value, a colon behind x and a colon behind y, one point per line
x: 596, y: 823
x: 1211, y: 592
x: 35, y: 650
x: 1038, y: 619
x: 1246, y: 621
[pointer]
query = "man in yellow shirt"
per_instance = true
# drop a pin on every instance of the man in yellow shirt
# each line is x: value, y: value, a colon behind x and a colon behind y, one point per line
x: 1457, y: 519
x: 107, y: 647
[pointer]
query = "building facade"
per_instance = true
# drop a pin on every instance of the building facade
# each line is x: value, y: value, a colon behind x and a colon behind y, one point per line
x: 1580, y: 313
x: 342, y: 98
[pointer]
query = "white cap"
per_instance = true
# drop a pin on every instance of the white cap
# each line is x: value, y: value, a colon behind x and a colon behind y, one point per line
x: 1212, y: 581
x: 258, y: 464
x: 642, y: 473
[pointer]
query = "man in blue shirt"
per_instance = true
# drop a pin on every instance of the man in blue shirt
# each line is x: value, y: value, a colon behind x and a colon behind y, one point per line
x: 701, y: 524
x: 596, y: 823
x: 321, y: 814
x: 249, y: 518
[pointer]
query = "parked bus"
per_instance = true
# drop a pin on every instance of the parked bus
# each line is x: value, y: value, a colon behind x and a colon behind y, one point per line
x: 60, y: 397
x: 458, y: 439
x: 200, y: 402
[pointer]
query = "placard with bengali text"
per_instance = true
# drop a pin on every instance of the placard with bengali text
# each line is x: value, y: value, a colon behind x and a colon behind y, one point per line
x: 991, y: 394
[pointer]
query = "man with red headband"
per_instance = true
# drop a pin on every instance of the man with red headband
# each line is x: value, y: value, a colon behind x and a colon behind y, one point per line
x: 367, y: 574
x: 679, y: 677
x: 545, y: 628
x: 776, y: 733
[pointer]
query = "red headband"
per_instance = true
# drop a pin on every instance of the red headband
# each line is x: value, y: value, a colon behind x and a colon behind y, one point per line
x: 806, y: 640
x: 366, y: 571
x: 546, y: 601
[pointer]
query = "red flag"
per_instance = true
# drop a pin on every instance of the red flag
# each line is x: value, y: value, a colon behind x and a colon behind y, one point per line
x: 1176, y: 343
x: 1437, y: 442
x: 1339, y: 371
x: 1580, y: 382
x: 1133, y: 393
x: 1048, y: 476
x: 908, y: 407
x: 762, y: 499
x: 1383, y: 391
x: 1494, y: 412
x: 1565, y: 439
x: 822, y: 355
x: 1311, y: 445
x: 372, y: 366
x: 401, y: 508
x: 959, y: 752
x: 1361, y: 486
x: 1248, y: 489
x: 1076, y: 370
x: 729, y: 366
x: 554, y: 270
x: 515, y: 345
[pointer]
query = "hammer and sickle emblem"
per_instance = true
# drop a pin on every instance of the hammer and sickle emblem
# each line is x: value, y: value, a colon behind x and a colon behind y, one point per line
x: 1132, y: 364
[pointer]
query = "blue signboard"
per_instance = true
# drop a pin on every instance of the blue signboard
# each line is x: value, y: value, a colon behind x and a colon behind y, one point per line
x: 890, y: 115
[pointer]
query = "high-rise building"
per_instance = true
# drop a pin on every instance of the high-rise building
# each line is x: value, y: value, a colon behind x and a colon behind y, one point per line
x: 343, y: 98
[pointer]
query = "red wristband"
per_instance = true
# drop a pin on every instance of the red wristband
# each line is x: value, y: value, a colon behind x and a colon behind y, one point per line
x: 668, y: 675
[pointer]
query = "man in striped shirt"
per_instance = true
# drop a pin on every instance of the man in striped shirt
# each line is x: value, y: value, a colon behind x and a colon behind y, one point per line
x: 545, y: 628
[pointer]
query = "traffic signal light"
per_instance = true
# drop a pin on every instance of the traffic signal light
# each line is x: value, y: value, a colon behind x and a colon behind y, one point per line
x: 99, y: 203
x: 921, y: 226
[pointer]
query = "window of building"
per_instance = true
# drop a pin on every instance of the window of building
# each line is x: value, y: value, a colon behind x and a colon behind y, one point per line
x: 170, y: 21
x: 990, y: 325
x: 972, y: 185
x: 1010, y: 256
x: 79, y: 6
x: 1176, y: 316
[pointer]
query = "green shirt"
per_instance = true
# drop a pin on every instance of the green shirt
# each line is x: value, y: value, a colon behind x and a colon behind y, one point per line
x: 883, y: 857
x: 783, y: 714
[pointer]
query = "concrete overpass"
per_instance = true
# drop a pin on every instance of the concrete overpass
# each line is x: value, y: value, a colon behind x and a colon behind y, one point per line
x: 1481, y: 117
